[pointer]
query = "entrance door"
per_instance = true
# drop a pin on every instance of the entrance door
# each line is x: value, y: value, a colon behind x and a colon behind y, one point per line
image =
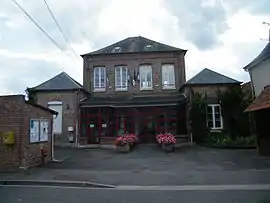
x: 92, y: 129
x: 57, y: 121
x: 148, y: 133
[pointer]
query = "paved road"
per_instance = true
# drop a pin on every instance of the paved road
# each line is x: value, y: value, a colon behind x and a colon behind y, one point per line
x: 71, y: 195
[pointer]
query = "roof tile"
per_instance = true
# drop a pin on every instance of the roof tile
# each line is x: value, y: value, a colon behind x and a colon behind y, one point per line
x: 207, y: 76
x: 261, y: 102
x: 134, y: 45
x: 61, y: 81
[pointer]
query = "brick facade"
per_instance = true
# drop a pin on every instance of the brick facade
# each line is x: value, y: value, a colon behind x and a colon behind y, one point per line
x: 15, y: 115
x: 70, y: 100
x: 133, y: 62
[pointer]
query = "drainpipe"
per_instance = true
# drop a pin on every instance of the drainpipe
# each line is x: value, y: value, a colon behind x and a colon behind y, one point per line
x: 77, y: 118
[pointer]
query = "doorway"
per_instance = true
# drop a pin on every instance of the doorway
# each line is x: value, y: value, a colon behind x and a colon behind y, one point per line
x: 57, y: 121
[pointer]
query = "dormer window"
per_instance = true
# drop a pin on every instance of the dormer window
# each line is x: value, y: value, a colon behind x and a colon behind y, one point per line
x: 116, y: 50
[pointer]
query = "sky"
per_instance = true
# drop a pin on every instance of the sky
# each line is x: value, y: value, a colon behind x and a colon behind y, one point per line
x: 222, y: 35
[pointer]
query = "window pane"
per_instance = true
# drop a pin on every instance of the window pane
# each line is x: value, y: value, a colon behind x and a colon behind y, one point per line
x: 218, y: 124
x: 210, y: 124
x: 217, y: 116
x: 217, y: 109
x: 209, y: 109
x: 209, y: 116
x: 171, y: 76
x: 118, y: 77
x: 97, y: 77
x: 124, y: 75
x: 146, y: 76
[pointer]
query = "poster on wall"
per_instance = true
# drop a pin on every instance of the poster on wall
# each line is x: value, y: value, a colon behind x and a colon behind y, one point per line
x: 44, y: 130
x: 34, y: 131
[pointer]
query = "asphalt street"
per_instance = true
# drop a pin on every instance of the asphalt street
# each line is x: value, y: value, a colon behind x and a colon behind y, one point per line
x: 28, y: 194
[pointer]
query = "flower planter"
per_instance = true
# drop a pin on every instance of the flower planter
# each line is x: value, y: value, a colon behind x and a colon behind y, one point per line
x: 168, y: 147
x: 123, y: 148
x: 166, y: 141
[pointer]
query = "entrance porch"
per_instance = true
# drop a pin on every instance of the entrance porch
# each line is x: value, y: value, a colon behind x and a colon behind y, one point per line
x: 104, y: 124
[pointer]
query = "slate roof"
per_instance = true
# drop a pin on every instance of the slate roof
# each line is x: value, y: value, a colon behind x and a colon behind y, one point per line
x: 133, y: 101
x: 61, y: 81
x: 261, y: 102
x: 135, y: 45
x: 207, y: 76
x: 265, y: 54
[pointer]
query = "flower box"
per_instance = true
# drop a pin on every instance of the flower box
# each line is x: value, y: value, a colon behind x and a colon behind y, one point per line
x: 167, y: 141
x: 168, y: 147
x: 126, y: 142
x: 123, y: 148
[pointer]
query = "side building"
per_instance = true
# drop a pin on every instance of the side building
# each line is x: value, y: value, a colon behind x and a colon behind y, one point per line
x: 61, y: 94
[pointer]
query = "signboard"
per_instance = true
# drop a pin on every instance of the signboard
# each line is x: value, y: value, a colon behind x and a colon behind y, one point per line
x: 39, y: 130
x: 44, y: 131
x: 34, y: 131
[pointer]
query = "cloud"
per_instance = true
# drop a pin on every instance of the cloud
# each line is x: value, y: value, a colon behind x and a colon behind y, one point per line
x: 201, y: 21
x: 223, y: 35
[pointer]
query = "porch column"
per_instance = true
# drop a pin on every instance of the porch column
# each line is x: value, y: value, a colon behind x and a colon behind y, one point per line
x: 121, y: 131
x: 137, y: 117
x: 166, y: 121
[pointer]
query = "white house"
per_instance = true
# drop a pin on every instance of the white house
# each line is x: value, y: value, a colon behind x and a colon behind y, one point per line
x: 259, y: 71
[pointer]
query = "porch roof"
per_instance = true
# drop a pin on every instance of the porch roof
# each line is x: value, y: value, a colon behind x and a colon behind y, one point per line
x: 261, y: 102
x: 133, y: 101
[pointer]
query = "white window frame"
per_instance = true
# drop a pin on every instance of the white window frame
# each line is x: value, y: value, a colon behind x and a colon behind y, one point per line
x: 144, y: 69
x: 213, y: 116
x: 121, y: 88
x: 167, y: 68
x: 98, y: 87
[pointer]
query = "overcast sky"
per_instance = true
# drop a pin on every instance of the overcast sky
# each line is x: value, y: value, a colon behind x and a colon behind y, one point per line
x: 223, y: 35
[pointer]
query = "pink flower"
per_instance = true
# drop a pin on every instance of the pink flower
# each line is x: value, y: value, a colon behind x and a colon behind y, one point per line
x: 166, y: 138
x: 126, y: 139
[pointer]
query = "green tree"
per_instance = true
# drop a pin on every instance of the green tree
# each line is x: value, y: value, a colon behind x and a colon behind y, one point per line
x: 197, y: 116
x: 233, y: 103
x: 31, y: 95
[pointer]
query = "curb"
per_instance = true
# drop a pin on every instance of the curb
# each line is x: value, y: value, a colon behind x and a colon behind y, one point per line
x: 227, y: 146
x: 55, y: 183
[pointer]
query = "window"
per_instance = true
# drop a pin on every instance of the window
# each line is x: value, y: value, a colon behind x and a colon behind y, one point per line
x: 214, y: 117
x: 99, y: 79
x: 116, y: 50
x: 168, y: 78
x: 121, y: 78
x: 146, y: 77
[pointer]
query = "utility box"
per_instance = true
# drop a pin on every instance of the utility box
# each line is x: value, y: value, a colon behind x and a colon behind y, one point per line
x: 9, y: 138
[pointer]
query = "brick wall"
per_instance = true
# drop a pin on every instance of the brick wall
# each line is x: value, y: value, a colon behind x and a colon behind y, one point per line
x: 210, y: 90
x: 15, y: 115
x: 9, y: 158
